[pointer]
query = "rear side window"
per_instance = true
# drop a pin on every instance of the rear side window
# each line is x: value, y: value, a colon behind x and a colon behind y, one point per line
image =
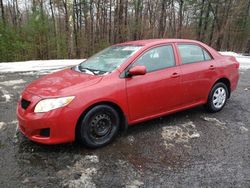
x: 157, y: 58
x: 192, y: 53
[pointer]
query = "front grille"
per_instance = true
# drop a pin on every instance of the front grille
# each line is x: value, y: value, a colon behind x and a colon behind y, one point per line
x: 24, y: 103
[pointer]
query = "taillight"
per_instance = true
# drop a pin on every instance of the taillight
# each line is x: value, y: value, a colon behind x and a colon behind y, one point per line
x: 237, y: 64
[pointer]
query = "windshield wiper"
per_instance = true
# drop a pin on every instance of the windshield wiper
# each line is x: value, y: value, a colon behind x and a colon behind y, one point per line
x: 86, y: 70
x: 91, y: 71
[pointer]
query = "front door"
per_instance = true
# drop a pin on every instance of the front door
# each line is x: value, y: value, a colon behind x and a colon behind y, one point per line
x: 157, y: 91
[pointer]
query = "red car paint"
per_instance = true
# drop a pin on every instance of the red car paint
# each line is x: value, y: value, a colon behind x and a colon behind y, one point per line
x: 140, y: 98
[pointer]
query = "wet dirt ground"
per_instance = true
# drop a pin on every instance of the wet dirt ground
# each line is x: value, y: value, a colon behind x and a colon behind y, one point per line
x: 189, y: 149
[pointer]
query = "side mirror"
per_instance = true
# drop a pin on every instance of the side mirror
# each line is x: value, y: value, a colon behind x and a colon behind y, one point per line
x: 137, y: 70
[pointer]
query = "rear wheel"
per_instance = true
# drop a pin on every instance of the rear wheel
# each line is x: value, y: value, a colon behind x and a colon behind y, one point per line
x: 99, y: 126
x: 217, y: 97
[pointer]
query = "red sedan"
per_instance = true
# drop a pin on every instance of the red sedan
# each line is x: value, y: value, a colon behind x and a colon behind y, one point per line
x: 122, y: 85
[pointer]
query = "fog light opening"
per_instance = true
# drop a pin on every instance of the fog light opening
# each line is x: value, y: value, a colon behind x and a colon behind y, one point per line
x: 45, y: 132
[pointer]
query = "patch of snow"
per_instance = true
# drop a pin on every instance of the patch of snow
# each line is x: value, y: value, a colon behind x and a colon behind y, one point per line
x: 230, y: 53
x: 84, y: 170
x: 133, y: 176
x: 28, y: 73
x: 2, y: 124
x: 168, y: 145
x: 179, y: 134
x: 12, y: 82
x: 7, y: 97
x: 243, y: 129
x: 38, y: 65
x: 26, y: 180
x: 92, y: 158
x: 135, y: 184
x: 17, y: 87
x: 6, y: 94
x: 15, y: 137
x: 243, y: 60
x: 13, y: 122
x: 194, y: 135
x: 84, y: 181
x: 215, y: 121
x: 131, y: 139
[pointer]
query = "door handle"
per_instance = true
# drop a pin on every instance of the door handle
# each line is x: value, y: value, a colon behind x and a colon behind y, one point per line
x: 211, y: 67
x: 175, y: 75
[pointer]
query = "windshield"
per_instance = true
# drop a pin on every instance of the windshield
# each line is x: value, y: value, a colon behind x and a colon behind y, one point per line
x: 108, y: 59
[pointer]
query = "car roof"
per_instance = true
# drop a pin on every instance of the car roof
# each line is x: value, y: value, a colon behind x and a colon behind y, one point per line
x: 151, y: 42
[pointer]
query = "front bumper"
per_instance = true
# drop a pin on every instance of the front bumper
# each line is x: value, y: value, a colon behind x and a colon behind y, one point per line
x: 60, y: 122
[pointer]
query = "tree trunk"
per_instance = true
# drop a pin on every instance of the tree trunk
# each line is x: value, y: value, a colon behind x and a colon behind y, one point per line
x: 2, y: 12
x: 199, y: 29
x: 75, y: 29
x: 68, y: 28
x: 213, y: 26
x: 162, y: 19
x: 110, y: 22
x: 247, y: 49
x: 91, y: 26
x: 54, y: 27
x: 205, y: 22
x: 137, y: 14
x: 181, y: 2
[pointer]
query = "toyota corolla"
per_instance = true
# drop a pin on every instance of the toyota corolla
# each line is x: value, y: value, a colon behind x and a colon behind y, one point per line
x: 122, y: 85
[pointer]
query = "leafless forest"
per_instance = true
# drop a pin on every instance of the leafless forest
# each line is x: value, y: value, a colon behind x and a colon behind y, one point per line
x: 48, y: 29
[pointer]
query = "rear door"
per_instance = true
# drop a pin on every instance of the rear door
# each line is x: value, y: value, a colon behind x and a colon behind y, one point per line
x: 199, y: 71
x: 159, y: 89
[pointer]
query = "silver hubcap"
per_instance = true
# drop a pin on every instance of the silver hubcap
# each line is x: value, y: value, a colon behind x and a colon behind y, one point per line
x: 219, y: 97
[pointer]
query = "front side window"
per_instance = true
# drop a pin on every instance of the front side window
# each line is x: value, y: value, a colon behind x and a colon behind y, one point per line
x: 157, y: 58
x: 108, y: 59
x: 192, y: 53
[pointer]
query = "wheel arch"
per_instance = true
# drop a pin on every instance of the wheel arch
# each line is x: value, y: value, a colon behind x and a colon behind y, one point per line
x: 122, y: 116
x: 227, y: 82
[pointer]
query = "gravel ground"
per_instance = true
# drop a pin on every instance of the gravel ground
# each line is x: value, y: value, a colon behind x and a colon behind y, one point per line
x: 188, y: 149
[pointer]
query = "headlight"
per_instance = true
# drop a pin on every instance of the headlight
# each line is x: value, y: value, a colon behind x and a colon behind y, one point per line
x: 51, y: 104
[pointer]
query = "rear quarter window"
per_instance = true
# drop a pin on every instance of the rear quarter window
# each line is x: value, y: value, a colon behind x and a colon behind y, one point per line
x: 191, y: 53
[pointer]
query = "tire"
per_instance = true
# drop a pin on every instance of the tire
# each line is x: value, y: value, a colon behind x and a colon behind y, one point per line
x: 219, y: 92
x: 98, y: 127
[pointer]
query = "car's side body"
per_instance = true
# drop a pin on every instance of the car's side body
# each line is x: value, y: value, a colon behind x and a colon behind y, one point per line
x: 137, y: 98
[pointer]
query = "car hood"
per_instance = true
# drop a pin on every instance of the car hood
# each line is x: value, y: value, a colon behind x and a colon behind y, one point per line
x: 61, y: 83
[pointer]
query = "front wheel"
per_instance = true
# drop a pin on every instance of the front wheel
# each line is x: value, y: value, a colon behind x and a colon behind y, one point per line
x: 217, y: 97
x: 99, y: 126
